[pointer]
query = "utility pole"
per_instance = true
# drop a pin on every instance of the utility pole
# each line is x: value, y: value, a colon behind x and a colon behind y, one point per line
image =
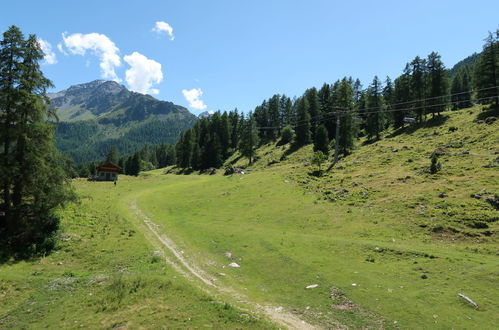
x: 337, y: 144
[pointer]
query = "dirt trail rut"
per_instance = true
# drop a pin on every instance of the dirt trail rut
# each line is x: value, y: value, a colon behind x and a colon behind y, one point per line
x: 276, y: 314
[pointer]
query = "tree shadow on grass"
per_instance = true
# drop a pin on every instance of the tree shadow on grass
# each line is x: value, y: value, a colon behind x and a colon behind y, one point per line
x: 489, y: 112
x: 432, y: 122
x: 235, y: 160
x: 10, y: 256
x: 292, y: 149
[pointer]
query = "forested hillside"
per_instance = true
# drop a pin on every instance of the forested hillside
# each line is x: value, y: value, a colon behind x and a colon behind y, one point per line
x: 102, y: 114
x: 345, y: 110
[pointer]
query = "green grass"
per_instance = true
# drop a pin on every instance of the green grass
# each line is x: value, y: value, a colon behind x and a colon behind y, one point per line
x: 374, y: 220
x: 106, y: 274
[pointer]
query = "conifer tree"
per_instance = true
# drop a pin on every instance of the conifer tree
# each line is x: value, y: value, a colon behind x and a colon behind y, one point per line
x: 249, y: 138
x: 401, y: 97
x: 418, y: 87
x: 388, y: 98
x: 487, y: 71
x: 302, y: 129
x: 376, y: 110
x: 438, y: 84
x: 32, y: 178
x: 321, y: 140
x: 314, y: 108
x: 348, y: 128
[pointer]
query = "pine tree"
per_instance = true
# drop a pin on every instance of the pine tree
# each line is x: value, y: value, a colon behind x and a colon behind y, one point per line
x: 401, y: 97
x: 302, y: 129
x: 135, y: 162
x: 249, y: 138
x: 438, y: 84
x: 274, y: 117
x: 348, y: 128
x: 487, y: 71
x: 33, y: 180
x: 321, y: 140
x: 388, y: 98
x: 314, y: 108
x: 456, y: 89
x: 418, y: 87
x: 375, y: 116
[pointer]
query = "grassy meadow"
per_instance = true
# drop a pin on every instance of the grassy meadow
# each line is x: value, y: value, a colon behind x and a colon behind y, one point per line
x: 388, y: 244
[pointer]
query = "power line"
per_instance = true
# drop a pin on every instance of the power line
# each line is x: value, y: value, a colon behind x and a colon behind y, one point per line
x: 346, y: 111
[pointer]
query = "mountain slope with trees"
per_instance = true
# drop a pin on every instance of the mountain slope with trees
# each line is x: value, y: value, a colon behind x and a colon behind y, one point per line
x: 98, y: 115
x: 347, y: 111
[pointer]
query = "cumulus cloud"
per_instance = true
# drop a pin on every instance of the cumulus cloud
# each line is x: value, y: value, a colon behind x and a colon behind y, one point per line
x: 99, y: 45
x: 61, y: 49
x: 49, y: 55
x: 163, y: 27
x: 143, y: 73
x: 193, y: 97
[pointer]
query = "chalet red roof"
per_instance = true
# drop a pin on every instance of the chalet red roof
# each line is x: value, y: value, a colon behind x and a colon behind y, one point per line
x: 109, y: 167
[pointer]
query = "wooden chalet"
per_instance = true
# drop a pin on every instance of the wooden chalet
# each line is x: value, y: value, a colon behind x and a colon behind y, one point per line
x: 108, y: 172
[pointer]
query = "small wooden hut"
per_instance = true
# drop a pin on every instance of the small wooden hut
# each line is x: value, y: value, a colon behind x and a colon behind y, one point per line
x: 108, y: 172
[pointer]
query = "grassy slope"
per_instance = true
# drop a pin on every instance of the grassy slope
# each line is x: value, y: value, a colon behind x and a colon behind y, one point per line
x: 371, y: 221
x: 375, y: 220
x: 106, y: 274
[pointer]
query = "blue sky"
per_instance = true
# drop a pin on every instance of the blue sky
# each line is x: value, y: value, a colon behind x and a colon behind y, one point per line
x: 228, y: 54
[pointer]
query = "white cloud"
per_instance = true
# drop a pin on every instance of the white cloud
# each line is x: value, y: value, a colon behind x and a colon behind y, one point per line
x: 143, y: 73
x: 49, y: 55
x: 193, y: 97
x: 59, y: 47
x: 163, y: 27
x: 99, y: 45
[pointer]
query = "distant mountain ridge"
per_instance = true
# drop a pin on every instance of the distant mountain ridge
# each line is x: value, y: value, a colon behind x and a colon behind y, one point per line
x: 97, y: 115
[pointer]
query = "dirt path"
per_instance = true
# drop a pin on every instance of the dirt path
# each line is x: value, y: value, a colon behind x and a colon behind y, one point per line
x: 276, y: 314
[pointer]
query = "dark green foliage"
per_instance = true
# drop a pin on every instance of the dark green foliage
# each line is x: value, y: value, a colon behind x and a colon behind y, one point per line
x: 112, y: 155
x: 249, y: 139
x: 418, y: 79
x: 375, y: 116
x: 133, y: 164
x: 318, y: 159
x: 302, y: 129
x: 287, y: 135
x: 33, y: 176
x: 314, y: 108
x: 438, y: 84
x: 86, y: 141
x: 348, y: 129
x: 401, y: 98
x: 435, y: 165
x: 468, y: 64
x: 461, y: 89
x: 321, y: 140
x: 487, y: 71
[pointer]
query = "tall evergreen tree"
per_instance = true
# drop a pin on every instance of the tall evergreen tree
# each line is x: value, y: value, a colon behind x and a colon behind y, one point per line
x: 438, y: 84
x: 302, y: 129
x: 348, y: 128
x: 314, y: 108
x: 249, y: 138
x: 487, y: 71
x: 401, y: 97
x: 321, y: 140
x: 33, y: 181
x: 388, y: 98
x: 375, y: 115
x: 418, y: 87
